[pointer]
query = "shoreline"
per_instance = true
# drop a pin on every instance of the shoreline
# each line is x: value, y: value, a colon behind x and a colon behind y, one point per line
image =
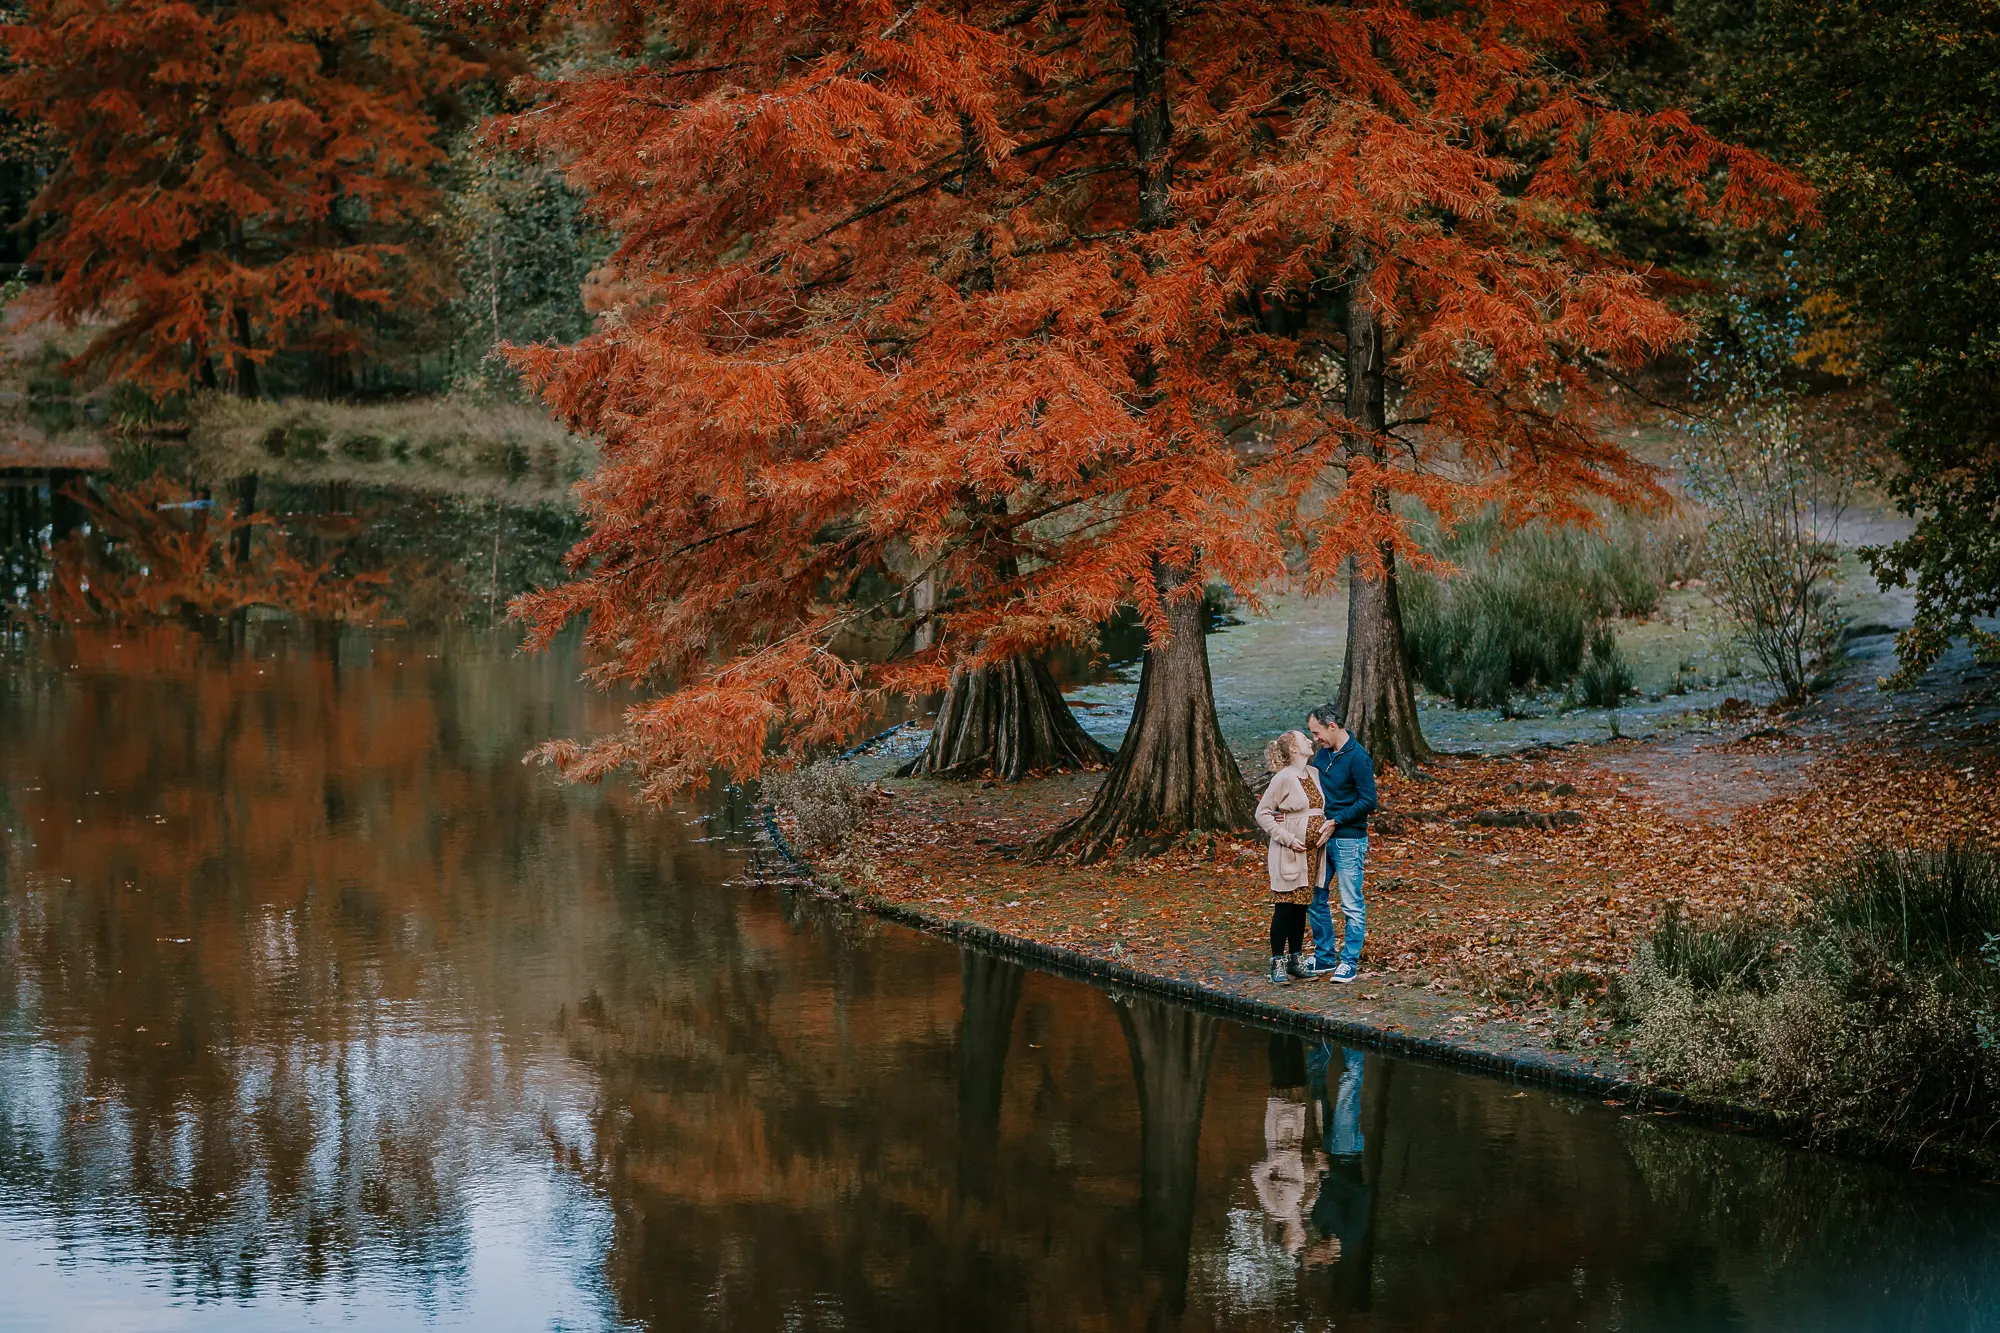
x: 1542, y: 1070
x: 1447, y: 1028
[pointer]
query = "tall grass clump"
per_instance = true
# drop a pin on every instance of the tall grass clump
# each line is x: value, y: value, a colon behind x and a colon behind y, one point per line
x: 826, y: 803
x: 1876, y: 1015
x: 1526, y: 609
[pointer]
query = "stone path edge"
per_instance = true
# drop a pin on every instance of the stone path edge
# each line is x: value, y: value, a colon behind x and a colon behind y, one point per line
x: 1078, y: 966
x: 1517, y: 1069
x: 1083, y: 967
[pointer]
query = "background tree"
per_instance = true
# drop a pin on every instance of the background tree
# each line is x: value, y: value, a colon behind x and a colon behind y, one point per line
x: 828, y: 351
x: 1106, y: 366
x: 1773, y: 470
x: 522, y: 253
x: 1439, y: 297
x: 236, y: 179
x: 1910, y: 173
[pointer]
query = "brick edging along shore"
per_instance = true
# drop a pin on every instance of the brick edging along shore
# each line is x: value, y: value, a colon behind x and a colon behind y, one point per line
x: 1099, y: 971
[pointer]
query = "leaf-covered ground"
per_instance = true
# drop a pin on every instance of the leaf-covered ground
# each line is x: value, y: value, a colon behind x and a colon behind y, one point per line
x: 1476, y: 933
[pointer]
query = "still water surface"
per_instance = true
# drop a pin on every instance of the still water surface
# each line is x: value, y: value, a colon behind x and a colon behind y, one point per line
x: 318, y: 1008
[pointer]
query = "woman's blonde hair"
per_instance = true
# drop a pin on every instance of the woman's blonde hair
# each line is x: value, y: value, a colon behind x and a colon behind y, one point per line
x: 1285, y: 747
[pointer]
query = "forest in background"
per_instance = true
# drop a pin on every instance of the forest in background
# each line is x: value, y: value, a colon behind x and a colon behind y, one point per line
x: 349, y: 202
x: 903, y: 350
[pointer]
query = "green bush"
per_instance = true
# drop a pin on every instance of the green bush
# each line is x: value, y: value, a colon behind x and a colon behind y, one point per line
x: 1877, y: 1014
x: 300, y: 438
x: 1605, y: 678
x: 1520, y: 613
x: 1728, y: 957
x: 1937, y: 910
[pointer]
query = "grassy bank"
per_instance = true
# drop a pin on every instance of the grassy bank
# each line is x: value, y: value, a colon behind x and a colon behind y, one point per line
x: 500, y: 451
x: 1531, y: 610
x: 1876, y: 1014
x: 1508, y: 898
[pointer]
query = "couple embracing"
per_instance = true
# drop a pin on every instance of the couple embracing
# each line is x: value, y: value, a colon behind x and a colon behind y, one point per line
x: 1316, y: 813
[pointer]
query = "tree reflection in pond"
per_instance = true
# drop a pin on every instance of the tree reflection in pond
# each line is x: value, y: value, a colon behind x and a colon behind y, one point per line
x: 316, y: 1002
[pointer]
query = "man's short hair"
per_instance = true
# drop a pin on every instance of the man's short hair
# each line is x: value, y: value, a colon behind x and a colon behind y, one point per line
x: 1327, y: 715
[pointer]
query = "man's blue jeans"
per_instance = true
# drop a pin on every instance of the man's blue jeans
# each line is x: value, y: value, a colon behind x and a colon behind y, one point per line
x: 1344, y: 862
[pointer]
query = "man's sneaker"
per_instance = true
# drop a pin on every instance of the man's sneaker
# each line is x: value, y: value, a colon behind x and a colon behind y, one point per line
x: 1278, y: 977
x: 1345, y: 973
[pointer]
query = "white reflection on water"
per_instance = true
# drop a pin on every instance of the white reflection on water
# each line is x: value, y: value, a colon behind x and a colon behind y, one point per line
x: 428, y: 1195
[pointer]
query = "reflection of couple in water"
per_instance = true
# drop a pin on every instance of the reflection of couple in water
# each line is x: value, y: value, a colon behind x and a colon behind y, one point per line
x: 1311, y: 1183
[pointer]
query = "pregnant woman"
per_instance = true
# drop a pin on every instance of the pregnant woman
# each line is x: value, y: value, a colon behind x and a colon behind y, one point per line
x: 1292, y: 813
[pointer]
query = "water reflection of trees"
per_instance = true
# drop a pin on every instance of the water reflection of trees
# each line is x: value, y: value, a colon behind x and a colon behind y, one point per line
x: 1171, y: 1047
x: 990, y: 991
x: 321, y: 955
x: 159, y: 551
x: 110, y: 551
x: 290, y: 921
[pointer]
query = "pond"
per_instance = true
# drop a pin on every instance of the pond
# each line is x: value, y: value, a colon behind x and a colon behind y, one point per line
x: 318, y: 1007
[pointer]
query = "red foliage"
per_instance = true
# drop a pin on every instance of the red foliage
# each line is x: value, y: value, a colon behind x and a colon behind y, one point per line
x: 890, y: 305
x: 235, y: 178
x: 153, y: 553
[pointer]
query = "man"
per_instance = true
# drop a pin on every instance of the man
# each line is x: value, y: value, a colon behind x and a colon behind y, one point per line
x: 1347, y: 777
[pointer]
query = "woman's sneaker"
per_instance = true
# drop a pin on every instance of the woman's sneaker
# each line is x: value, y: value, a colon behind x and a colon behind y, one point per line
x: 1303, y: 966
x: 1345, y: 972
x: 1278, y: 977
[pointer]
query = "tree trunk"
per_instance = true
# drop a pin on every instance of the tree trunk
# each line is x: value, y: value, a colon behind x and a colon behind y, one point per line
x: 1377, y: 701
x: 1152, y: 119
x: 246, y: 505
x: 1173, y: 775
x: 1171, y: 1049
x: 990, y: 989
x: 245, y: 369
x: 1007, y: 720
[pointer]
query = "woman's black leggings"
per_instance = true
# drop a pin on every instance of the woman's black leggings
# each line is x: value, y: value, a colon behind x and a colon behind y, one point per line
x: 1288, y: 928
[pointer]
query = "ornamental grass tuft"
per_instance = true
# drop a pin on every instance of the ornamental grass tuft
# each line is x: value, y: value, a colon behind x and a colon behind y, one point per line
x: 1527, y: 610
x: 1875, y: 1015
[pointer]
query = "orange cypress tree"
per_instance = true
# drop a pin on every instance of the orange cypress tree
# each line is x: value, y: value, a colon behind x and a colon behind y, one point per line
x: 236, y: 178
x: 1065, y: 309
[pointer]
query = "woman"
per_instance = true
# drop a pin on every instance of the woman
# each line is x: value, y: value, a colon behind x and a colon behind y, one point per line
x: 1291, y: 813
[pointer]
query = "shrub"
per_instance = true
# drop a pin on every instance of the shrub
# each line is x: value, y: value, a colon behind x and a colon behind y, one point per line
x: 1935, y: 909
x: 1774, y: 472
x: 300, y: 438
x: 1519, y: 613
x: 1605, y: 678
x: 363, y: 447
x: 1875, y: 1014
x: 824, y: 801
x: 1729, y: 957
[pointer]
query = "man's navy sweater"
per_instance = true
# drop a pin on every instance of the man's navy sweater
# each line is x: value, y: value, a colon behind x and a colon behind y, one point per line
x: 1347, y: 778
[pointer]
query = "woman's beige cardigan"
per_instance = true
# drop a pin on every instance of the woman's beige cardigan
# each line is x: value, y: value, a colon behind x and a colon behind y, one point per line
x: 1285, y: 808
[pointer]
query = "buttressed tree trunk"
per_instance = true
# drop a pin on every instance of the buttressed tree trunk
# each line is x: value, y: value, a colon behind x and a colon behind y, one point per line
x: 1173, y: 775
x: 1377, y: 702
x: 1171, y: 1050
x: 1007, y: 720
